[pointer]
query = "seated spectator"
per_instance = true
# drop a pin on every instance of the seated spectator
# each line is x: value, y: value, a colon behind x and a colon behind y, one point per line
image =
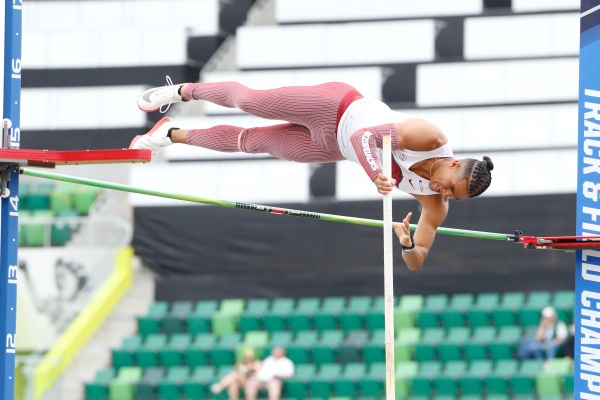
x: 236, y: 379
x: 274, y: 371
x: 568, y: 346
x: 551, y: 333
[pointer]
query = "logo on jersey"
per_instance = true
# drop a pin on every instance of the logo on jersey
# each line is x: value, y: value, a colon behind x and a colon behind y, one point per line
x: 367, y: 150
x: 402, y: 157
x: 413, y: 186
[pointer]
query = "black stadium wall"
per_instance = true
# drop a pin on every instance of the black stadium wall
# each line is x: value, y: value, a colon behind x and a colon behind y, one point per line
x: 206, y: 252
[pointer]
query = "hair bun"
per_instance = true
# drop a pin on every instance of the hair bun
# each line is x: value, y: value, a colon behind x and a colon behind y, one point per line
x: 488, y: 162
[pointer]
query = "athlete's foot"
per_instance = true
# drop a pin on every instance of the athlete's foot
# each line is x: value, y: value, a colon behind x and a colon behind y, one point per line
x: 160, y: 98
x: 156, y: 139
x: 215, y: 388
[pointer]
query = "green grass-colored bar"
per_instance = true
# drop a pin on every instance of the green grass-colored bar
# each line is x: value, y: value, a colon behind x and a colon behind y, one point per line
x: 253, y: 207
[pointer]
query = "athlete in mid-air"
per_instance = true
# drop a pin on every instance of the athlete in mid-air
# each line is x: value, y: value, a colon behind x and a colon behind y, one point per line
x: 327, y: 123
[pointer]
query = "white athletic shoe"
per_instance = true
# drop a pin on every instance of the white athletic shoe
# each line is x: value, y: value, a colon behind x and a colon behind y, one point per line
x: 156, y: 98
x: 155, y: 140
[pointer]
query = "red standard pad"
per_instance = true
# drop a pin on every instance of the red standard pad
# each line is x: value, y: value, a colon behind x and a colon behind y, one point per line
x: 50, y: 158
x: 561, y: 242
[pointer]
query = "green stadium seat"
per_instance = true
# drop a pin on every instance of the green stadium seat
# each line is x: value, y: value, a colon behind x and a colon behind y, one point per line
x: 445, y: 385
x: 206, y: 307
x: 411, y: 303
x: 375, y: 320
x: 422, y: 386
x: 152, y: 321
x: 351, y: 350
x: 38, y: 233
x: 308, y: 305
x: 278, y: 339
x: 504, y: 316
x: 170, y: 387
x: 176, y: 320
x: 372, y: 383
x: 436, y: 302
x: 249, y: 322
x: 37, y: 201
x: 427, y: 348
x: 196, y: 355
x: 195, y: 387
x: 529, y: 317
x: 512, y: 300
x: 422, y: 382
x: 257, y: 306
x: 451, y: 348
x: 98, y: 389
x: 334, y: 305
x: 122, y: 388
x: 224, y: 323
x: 351, y: 320
x: 148, y: 354
x: 538, y: 300
x: 374, y: 349
x: 408, y: 336
x: 404, y: 371
x: 298, y: 354
x: 298, y: 321
x: 273, y: 322
x: 347, y: 383
x: 296, y: 386
x: 476, y: 318
x: 452, y: 317
x: 568, y: 383
x: 558, y: 366
x: 60, y: 231
x: 200, y: 318
x: 301, y: 318
x: 504, y: 346
x: 322, y: 383
x: 84, y: 198
x: 283, y: 306
x: 498, y: 397
x: 125, y: 356
x: 487, y: 301
x: 497, y: 381
x: 471, y: 382
x: 427, y: 319
x: 548, y: 385
x: 403, y: 319
x: 60, y: 201
x: 324, y: 351
x: 172, y: 354
x: 223, y: 353
x: 146, y: 388
x: 477, y: 347
x: 359, y: 304
x: 523, y: 382
x: 461, y: 301
x: 232, y: 306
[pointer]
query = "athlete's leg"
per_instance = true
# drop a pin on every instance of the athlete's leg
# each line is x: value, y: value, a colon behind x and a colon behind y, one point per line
x: 284, y: 141
x: 315, y: 107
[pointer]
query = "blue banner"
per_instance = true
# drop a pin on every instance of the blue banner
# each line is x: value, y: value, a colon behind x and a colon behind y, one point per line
x: 587, y: 278
x: 9, y: 204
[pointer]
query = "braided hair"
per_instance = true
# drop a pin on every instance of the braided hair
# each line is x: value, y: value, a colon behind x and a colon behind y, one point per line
x: 477, y: 174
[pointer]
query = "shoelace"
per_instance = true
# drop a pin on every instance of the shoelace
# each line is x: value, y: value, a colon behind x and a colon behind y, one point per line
x: 170, y: 98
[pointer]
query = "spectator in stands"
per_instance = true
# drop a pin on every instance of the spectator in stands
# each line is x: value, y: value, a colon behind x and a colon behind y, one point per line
x: 327, y: 123
x: 274, y: 371
x: 568, y: 346
x: 236, y: 379
x: 551, y: 333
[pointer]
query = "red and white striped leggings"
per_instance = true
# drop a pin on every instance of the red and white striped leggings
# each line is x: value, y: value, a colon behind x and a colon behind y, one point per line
x: 313, y: 113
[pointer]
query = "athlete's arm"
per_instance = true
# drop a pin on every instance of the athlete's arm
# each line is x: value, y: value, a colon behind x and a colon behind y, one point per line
x: 433, y: 213
x: 365, y: 143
